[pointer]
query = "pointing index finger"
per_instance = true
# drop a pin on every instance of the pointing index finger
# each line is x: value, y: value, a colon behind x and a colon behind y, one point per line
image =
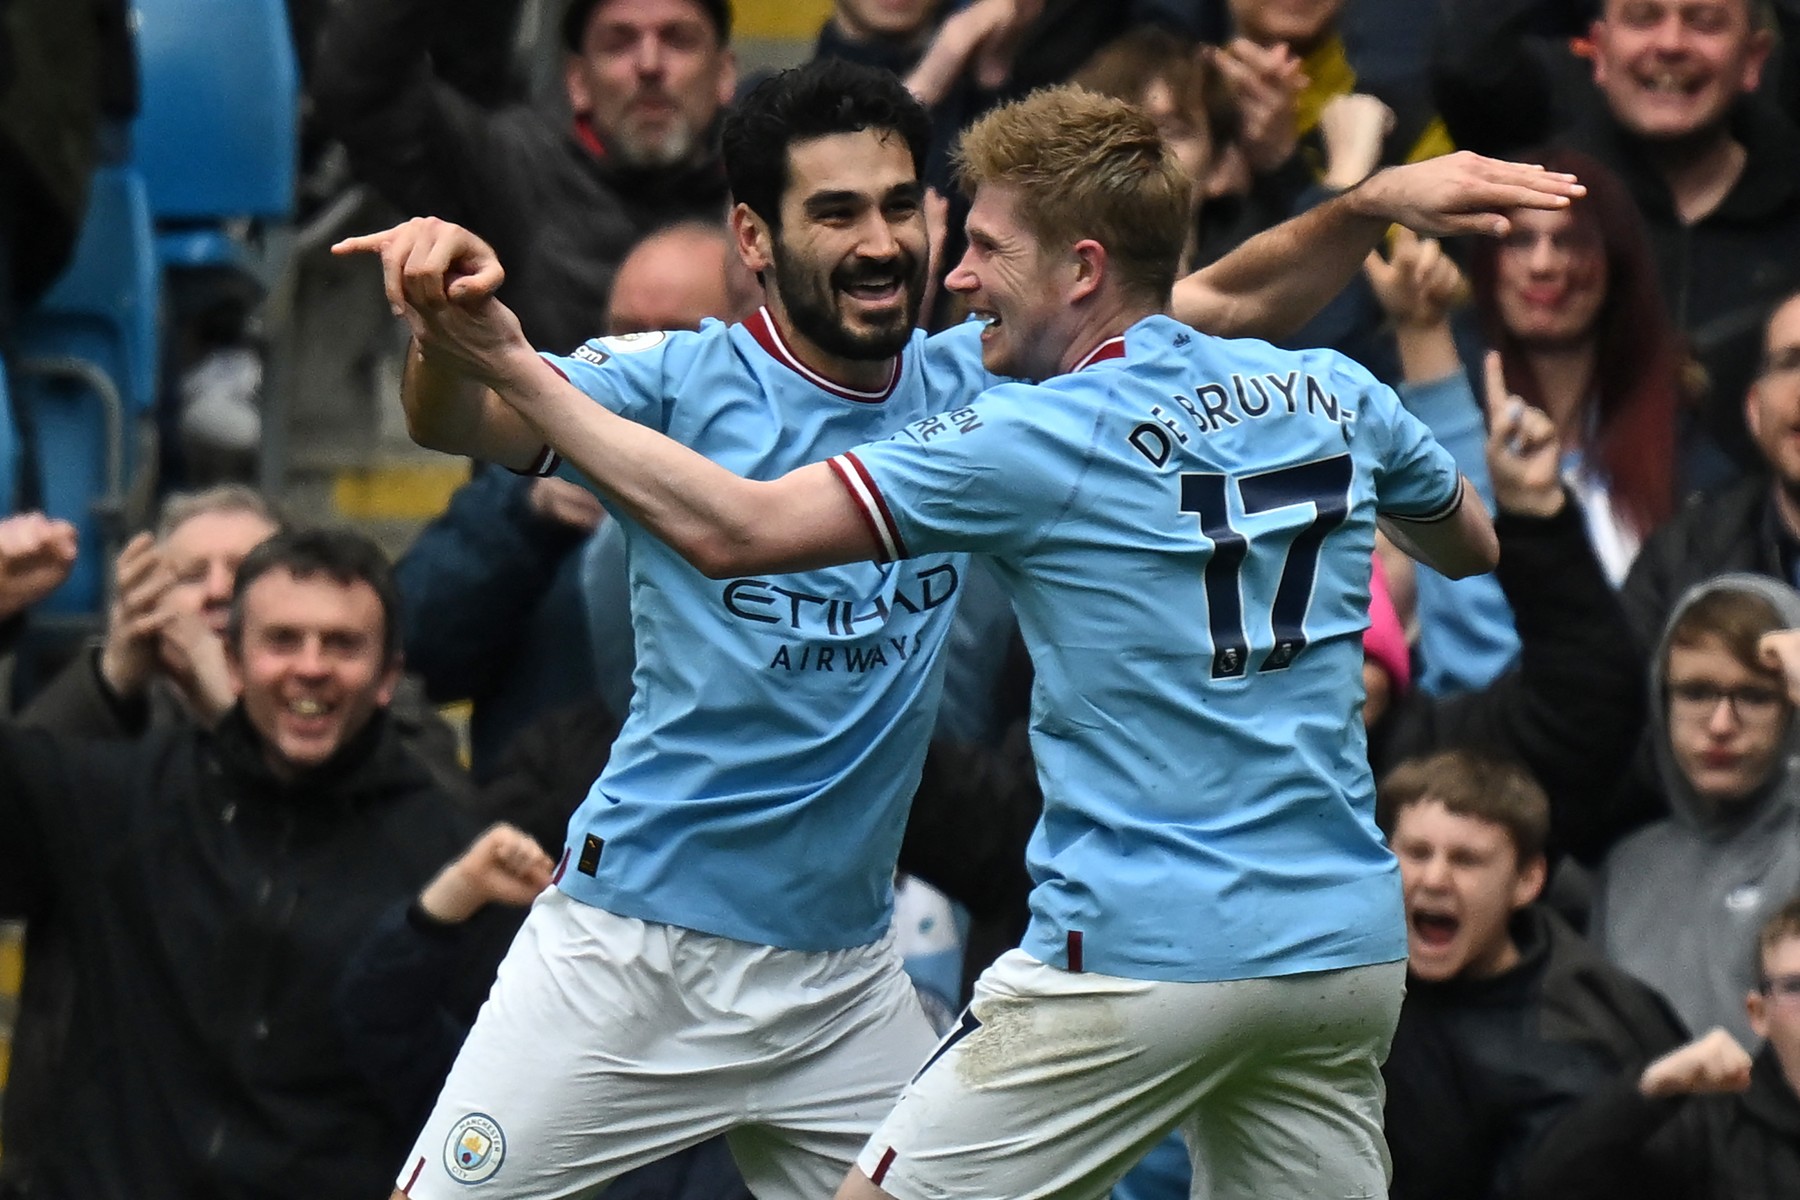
x: 1494, y: 395
x: 369, y: 243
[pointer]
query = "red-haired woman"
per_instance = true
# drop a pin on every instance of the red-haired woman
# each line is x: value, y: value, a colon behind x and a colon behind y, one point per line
x: 1569, y: 302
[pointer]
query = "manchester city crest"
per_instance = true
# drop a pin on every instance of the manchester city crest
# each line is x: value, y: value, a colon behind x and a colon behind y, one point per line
x: 474, y: 1149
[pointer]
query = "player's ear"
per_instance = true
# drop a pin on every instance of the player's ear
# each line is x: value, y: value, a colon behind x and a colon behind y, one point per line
x: 754, y: 240
x: 1087, y: 268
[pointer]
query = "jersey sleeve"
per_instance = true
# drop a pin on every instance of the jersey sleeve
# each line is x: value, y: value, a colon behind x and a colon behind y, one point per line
x: 627, y: 374
x: 981, y: 478
x: 1416, y: 479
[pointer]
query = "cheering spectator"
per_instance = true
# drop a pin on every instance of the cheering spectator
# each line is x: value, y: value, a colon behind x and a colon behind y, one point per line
x: 562, y: 199
x: 210, y: 884
x: 163, y: 656
x: 1569, y: 302
x: 1705, y: 1122
x: 1510, y: 1017
x: 1665, y: 102
x: 1754, y: 525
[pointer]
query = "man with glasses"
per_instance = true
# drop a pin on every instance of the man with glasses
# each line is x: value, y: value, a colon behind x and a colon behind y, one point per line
x: 1753, y: 525
x: 1706, y: 1120
x: 1680, y: 899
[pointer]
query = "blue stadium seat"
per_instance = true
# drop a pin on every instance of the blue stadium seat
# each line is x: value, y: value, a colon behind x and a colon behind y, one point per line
x: 217, y: 136
x: 85, y: 372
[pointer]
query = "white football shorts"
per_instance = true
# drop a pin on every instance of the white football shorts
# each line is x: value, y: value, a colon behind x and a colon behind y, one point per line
x: 1056, y: 1083
x: 609, y: 1042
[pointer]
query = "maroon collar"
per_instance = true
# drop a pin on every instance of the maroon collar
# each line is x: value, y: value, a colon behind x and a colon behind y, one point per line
x: 762, y: 327
x: 1112, y: 347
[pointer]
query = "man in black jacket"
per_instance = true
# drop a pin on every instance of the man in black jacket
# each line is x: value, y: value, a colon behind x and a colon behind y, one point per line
x: 210, y: 884
x: 1753, y: 526
x: 1661, y: 91
x: 1705, y: 1122
x: 561, y: 191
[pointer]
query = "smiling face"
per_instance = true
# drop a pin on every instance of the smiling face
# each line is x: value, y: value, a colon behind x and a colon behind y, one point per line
x: 309, y: 665
x: 651, y: 76
x: 848, y: 261
x: 1011, y: 283
x: 1672, y: 69
x: 1727, y: 721
x: 1462, y: 882
x: 1550, y: 278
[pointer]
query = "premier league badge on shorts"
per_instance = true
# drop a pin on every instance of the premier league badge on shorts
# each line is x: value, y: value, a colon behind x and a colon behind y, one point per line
x: 474, y: 1149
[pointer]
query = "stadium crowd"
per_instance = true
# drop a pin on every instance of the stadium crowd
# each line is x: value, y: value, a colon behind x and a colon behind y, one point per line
x: 265, y: 894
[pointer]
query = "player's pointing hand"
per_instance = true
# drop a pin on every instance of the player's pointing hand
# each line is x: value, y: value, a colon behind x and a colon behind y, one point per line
x: 427, y: 263
x: 441, y: 279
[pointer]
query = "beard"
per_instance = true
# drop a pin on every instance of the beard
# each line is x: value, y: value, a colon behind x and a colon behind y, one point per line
x: 810, y: 297
x: 647, y: 151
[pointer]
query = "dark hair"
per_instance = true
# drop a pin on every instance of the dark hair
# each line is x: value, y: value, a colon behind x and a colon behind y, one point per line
x: 824, y: 97
x: 342, y: 555
x: 575, y: 20
x: 1638, y: 368
x: 1469, y: 785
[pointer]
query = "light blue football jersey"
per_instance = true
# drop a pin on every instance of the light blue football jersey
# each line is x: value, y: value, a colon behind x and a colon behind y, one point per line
x: 760, y: 785
x: 1185, y: 526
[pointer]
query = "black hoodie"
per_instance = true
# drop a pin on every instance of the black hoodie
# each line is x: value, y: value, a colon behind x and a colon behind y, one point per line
x: 207, y: 907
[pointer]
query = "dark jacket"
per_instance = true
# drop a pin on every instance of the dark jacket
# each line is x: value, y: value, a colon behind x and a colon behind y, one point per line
x: 560, y: 213
x: 1501, y: 91
x: 207, y: 907
x: 1481, y: 1069
x: 1571, y: 712
x: 1619, y: 1144
x: 491, y: 606
x: 1730, y: 531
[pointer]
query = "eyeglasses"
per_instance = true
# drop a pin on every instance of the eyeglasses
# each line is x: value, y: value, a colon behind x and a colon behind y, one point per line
x: 1699, y: 701
x: 1785, y: 988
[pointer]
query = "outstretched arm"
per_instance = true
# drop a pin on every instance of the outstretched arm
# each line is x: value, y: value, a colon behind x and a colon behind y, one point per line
x: 469, y: 353
x: 426, y: 265
x: 1276, y: 281
x: 723, y: 524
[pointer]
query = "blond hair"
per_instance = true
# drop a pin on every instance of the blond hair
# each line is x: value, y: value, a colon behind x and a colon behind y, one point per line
x: 1087, y: 166
x: 181, y: 507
